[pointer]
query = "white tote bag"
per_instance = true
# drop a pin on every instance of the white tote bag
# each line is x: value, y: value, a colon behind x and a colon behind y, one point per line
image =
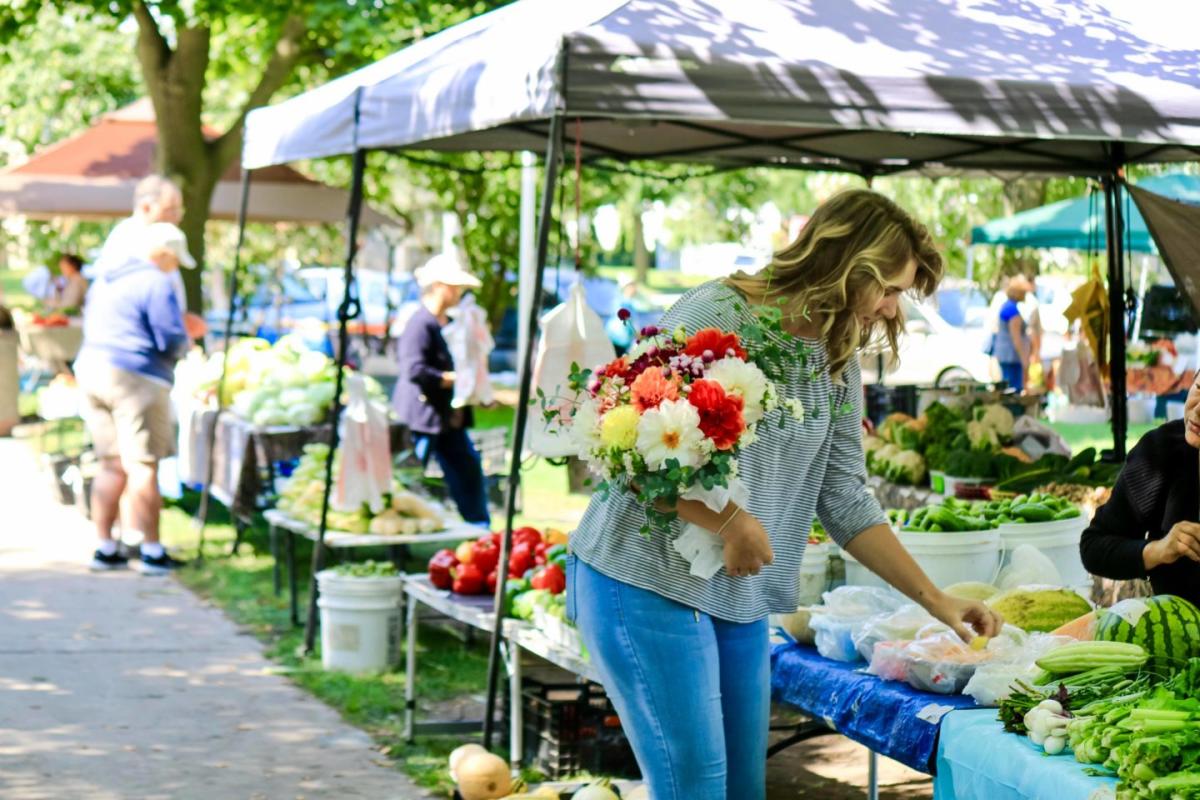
x: 570, y: 333
x: 364, y: 474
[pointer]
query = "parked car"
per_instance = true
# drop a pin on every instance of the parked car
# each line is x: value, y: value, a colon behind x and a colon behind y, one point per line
x: 373, y: 290
x: 932, y: 351
x: 279, y: 304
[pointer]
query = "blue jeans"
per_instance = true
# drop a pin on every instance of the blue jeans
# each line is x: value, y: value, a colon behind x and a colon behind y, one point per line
x: 1013, y: 375
x: 460, y: 464
x: 692, y: 691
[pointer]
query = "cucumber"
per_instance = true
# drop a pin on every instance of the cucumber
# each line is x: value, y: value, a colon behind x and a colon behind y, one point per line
x: 1033, y: 512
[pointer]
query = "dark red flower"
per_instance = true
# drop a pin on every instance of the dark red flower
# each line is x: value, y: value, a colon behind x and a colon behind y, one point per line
x: 716, y: 340
x: 720, y: 413
x: 617, y: 368
x: 623, y: 314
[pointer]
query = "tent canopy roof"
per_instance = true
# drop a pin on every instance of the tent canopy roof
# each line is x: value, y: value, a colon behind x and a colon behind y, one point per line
x: 870, y: 86
x: 93, y: 175
x: 1079, y: 224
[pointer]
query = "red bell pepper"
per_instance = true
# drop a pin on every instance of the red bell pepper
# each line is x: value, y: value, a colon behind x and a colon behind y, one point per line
x: 491, y: 581
x: 520, y: 560
x: 468, y: 580
x: 485, y: 555
x: 440, y: 565
x: 551, y: 578
x: 527, y: 535
x: 539, y: 553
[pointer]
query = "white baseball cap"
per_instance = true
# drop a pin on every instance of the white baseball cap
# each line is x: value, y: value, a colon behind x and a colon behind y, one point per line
x: 165, y: 236
x: 445, y: 268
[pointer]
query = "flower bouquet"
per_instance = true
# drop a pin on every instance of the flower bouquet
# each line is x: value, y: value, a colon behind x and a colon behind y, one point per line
x: 668, y: 420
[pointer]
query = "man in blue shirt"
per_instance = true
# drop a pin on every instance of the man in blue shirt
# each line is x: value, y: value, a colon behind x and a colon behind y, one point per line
x: 1012, y: 343
x: 133, y: 333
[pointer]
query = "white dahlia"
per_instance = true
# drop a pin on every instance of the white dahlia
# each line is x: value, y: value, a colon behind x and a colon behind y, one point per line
x: 585, y: 428
x: 672, y: 431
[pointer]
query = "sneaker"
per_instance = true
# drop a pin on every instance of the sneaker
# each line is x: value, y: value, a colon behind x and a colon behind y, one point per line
x: 159, y: 566
x: 107, y: 563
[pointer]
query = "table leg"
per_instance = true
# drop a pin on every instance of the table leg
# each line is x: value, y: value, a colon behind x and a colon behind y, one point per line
x: 873, y: 776
x: 290, y: 547
x: 516, y: 732
x: 410, y: 667
x: 273, y: 535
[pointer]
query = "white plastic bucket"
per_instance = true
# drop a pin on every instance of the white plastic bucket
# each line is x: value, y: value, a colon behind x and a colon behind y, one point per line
x: 814, y: 574
x: 1058, y: 540
x: 360, y: 621
x: 947, y: 558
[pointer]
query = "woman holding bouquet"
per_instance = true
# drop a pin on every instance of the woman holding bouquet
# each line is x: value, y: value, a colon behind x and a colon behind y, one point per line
x: 685, y: 658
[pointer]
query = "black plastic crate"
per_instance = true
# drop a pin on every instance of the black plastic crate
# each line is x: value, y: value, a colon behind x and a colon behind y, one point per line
x: 569, y: 728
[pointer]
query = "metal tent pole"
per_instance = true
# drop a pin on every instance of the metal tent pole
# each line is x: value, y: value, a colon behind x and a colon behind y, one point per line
x: 1114, y: 233
x: 201, y: 519
x: 346, y: 310
x: 553, y: 154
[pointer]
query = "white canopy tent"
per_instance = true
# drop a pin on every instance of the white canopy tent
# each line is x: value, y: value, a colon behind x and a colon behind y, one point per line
x: 873, y: 87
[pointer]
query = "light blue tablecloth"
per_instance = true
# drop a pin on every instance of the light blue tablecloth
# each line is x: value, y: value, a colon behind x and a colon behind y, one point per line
x: 977, y: 760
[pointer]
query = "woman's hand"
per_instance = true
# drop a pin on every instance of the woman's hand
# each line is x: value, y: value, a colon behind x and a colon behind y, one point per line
x: 1182, y: 541
x: 959, y: 614
x: 747, y: 546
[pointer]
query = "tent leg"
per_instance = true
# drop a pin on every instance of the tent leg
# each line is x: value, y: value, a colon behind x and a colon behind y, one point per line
x: 1114, y: 235
x: 201, y: 519
x: 345, y: 311
x: 553, y: 153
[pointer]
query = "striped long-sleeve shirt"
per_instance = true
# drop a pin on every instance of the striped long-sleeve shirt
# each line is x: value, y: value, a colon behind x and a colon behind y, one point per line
x: 807, y: 469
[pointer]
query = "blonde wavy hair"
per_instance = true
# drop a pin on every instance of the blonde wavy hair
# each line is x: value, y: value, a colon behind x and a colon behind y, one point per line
x: 854, y: 244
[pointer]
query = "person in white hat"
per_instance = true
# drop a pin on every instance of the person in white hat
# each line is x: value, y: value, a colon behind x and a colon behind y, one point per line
x: 133, y: 333
x: 425, y: 388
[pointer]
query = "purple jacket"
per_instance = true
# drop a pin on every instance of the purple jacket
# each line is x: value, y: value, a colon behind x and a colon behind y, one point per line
x: 420, y: 400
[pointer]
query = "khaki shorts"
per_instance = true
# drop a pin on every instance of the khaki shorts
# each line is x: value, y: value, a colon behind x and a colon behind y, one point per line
x: 127, y: 414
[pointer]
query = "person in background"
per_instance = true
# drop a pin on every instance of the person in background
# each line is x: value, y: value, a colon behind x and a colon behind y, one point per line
x: 1012, y: 338
x: 1150, y: 527
x: 155, y: 199
x: 133, y: 334
x: 425, y: 387
x: 70, y: 287
x: 1031, y: 312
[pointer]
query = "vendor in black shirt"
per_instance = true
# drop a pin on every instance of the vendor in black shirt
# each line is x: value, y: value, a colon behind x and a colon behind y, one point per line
x: 1149, y: 528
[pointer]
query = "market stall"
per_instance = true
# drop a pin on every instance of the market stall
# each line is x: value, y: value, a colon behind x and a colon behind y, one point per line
x: 754, y: 101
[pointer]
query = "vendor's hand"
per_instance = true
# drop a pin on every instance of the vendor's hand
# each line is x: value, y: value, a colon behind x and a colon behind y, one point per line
x: 195, y: 325
x: 1182, y: 541
x: 448, y: 380
x: 968, y: 618
x: 747, y: 546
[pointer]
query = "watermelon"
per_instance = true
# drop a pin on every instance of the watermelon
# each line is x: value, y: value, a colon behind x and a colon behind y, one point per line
x: 1168, y: 627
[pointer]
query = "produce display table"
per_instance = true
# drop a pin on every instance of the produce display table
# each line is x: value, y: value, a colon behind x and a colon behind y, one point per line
x: 279, y: 521
x: 888, y: 717
x: 53, y: 347
x: 906, y: 498
x: 477, y: 612
x: 977, y: 760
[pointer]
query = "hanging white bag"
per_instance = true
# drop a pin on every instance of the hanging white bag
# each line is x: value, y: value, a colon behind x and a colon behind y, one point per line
x: 571, y: 333
x: 364, y: 473
x: 470, y: 344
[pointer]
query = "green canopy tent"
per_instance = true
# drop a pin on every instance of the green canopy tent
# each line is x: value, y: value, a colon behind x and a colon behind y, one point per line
x: 1079, y: 224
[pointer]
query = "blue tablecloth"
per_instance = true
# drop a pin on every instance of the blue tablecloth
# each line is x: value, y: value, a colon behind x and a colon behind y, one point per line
x: 977, y: 760
x: 891, y: 718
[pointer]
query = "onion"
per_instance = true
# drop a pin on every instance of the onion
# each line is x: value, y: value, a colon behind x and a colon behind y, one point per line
x: 1054, y: 745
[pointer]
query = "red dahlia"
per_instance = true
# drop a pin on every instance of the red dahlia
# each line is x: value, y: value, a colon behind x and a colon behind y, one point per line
x: 716, y: 340
x: 720, y: 413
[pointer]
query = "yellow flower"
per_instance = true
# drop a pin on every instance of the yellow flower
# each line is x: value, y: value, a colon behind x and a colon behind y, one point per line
x: 618, y: 428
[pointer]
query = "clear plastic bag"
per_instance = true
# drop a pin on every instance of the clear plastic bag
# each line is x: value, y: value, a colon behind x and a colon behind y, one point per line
x: 846, y: 611
x: 942, y: 663
x: 904, y: 623
x: 1029, y: 566
x: 993, y: 681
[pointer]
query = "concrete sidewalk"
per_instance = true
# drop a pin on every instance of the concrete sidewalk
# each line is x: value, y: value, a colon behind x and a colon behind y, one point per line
x: 122, y: 686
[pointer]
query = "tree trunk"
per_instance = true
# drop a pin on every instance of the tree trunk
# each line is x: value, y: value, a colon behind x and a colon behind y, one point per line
x: 197, y: 197
x: 641, y: 255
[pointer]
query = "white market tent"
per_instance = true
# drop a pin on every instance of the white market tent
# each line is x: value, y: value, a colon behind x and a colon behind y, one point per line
x: 873, y: 87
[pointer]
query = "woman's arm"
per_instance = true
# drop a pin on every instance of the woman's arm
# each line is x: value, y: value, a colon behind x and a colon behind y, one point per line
x: 1114, y: 545
x: 878, y: 549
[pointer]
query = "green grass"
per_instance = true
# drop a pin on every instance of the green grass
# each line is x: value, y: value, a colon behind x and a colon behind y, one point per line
x: 12, y: 293
x: 241, y: 585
